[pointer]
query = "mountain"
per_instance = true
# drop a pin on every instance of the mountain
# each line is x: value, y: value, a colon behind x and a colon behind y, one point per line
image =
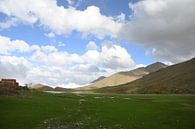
x: 41, y: 87
x: 124, y: 77
x: 178, y: 78
x: 155, y: 67
x: 98, y: 79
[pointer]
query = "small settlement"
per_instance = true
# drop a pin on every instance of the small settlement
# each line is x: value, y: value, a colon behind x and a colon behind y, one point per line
x: 9, y: 83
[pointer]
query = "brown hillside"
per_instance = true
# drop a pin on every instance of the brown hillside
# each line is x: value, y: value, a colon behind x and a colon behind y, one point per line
x: 179, y: 78
x: 41, y: 87
x: 124, y: 77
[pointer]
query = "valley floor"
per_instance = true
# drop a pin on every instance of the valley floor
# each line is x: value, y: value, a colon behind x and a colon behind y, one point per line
x: 38, y: 110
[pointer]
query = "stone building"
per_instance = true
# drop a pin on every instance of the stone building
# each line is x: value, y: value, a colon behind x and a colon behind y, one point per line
x: 9, y: 83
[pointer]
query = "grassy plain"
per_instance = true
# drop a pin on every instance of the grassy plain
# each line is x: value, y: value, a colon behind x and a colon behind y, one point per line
x: 38, y: 110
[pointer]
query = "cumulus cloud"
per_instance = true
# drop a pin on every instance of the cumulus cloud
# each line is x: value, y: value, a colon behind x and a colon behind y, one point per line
x: 56, y: 58
x: 48, y: 65
x: 70, y: 2
x: 59, y: 19
x: 110, y: 56
x: 50, y: 35
x: 48, y: 49
x: 120, y: 18
x: 164, y: 27
x: 92, y: 46
x: 8, y: 23
x: 7, y: 45
x: 115, y: 57
x: 14, y: 67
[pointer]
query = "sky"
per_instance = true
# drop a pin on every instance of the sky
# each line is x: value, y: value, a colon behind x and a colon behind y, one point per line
x: 70, y: 43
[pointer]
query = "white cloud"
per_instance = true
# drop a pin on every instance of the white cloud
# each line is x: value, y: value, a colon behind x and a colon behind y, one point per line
x: 50, y: 35
x: 110, y: 56
x: 115, y: 57
x: 120, y: 18
x: 140, y: 65
x: 8, y: 23
x: 92, y: 46
x: 70, y: 2
x: 75, y: 3
x: 91, y: 56
x: 48, y: 65
x: 56, y: 58
x: 7, y: 45
x: 86, y: 68
x: 39, y: 56
x: 166, y: 26
x: 14, y: 67
x: 48, y: 49
x: 61, y: 76
x: 59, y: 19
x: 60, y: 44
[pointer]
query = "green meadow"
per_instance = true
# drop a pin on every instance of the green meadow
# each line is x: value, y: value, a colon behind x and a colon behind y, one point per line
x: 38, y: 110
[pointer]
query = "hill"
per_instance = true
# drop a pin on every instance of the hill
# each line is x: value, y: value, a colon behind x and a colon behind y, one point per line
x: 98, y: 79
x: 155, y: 67
x: 41, y: 87
x: 178, y: 78
x: 124, y: 77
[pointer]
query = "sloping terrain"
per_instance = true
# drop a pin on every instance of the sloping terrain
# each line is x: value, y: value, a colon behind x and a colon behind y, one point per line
x: 41, y: 87
x: 125, y: 77
x: 179, y: 78
x: 98, y: 79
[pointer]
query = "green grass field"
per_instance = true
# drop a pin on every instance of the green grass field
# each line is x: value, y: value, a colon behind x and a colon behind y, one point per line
x: 36, y: 110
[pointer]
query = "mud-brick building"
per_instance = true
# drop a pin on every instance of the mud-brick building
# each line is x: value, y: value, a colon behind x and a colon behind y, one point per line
x: 12, y: 83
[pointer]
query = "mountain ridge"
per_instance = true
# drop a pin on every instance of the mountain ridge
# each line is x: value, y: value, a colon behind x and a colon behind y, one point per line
x: 124, y: 76
x: 98, y: 79
x: 178, y: 78
x: 42, y: 87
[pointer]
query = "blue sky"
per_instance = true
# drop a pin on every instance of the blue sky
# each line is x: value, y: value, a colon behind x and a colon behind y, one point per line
x: 74, y: 43
x: 90, y: 37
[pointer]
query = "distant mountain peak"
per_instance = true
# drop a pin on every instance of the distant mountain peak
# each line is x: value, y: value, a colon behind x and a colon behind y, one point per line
x: 124, y: 76
x: 177, y: 78
x: 155, y: 66
x: 157, y: 63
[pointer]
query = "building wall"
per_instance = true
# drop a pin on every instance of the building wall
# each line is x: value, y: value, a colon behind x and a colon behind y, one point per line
x: 9, y: 83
